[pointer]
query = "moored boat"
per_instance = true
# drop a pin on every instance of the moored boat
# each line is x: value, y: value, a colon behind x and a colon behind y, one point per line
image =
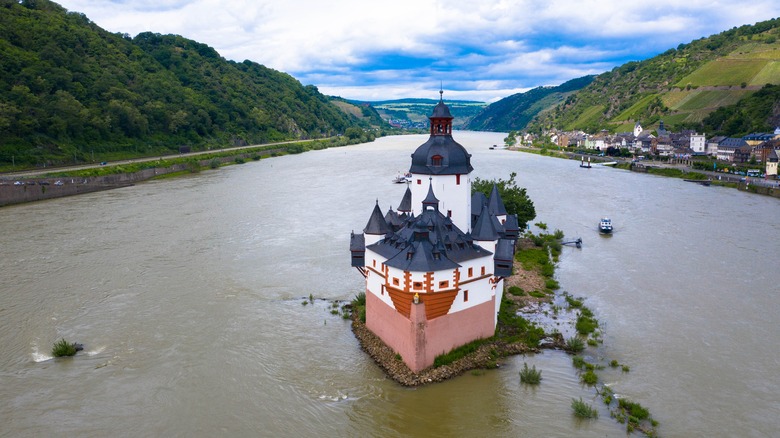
x: 403, y: 178
x: 605, y: 225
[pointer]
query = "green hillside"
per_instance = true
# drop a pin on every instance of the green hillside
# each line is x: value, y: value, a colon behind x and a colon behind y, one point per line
x: 682, y: 86
x: 514, y: 112
x: 417, y: 111
x: 72, y: 92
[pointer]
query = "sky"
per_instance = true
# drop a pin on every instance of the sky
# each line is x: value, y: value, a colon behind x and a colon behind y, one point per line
x: 474, y: 50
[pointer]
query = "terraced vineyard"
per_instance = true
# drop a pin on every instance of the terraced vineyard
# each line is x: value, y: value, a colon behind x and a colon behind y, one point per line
x: 681, y: 86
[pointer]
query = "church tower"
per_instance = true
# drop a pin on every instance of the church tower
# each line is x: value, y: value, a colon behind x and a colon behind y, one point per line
x: 444, y: 165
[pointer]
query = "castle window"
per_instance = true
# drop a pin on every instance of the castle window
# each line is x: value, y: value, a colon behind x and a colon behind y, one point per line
x: 436, y: 160
x: 465, y: 296
x: 483, y: 270
x: 471, y: 272
x: 395, y: 281
x: 449, y: 213
x: 374, y: 263
x: 383, y: 289
x: 457, y: 179
x: 417, y: 285
x: 419, y: 181
x: 444, y: 284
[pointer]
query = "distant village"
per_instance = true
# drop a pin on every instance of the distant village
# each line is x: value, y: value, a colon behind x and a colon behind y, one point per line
x: 759, y: 149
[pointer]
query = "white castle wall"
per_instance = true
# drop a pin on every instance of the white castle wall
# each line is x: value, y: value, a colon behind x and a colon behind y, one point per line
x: 453, y: 195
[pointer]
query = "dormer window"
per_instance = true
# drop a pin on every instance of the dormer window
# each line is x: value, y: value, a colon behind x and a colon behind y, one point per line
x: 436, y: 160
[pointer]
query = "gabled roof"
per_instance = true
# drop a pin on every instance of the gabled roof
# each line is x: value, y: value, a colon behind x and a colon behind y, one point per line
x: 732, y: 142
x: 393, y: 219
x: 357, y: 242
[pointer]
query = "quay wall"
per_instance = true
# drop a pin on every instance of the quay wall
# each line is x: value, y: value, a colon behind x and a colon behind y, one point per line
x: 42, y: 188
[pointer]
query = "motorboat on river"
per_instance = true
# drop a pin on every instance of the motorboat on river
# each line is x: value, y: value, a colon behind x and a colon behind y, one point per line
x: 605, y: 225
x: 403, y: 178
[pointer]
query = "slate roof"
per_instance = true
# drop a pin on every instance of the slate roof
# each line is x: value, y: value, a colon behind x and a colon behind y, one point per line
x: 454, y: 157
x: 428, y: 242
x: 478, y: 199
x: 451, y: 157
x: 486, y: 229
x: 732, y: 142
x: 441, y: 110
x: 377, y: 224
x: 495, y: 204
x: 406, y: 203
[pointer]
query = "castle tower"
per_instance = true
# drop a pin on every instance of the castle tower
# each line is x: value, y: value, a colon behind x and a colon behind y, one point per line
x: 432, y: 283
x: 447, y: 165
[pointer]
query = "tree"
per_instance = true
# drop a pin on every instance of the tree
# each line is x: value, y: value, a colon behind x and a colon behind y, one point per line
x: 515, y: 198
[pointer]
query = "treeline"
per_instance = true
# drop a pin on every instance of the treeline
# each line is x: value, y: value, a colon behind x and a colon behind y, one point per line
x: 759, y: 112
x: 70, y: 91
x: 516, y: 111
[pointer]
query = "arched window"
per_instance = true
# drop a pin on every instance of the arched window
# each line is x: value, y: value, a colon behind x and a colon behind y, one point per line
x: 436, y: 160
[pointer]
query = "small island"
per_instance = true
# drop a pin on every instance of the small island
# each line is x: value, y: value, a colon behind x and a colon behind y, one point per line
x: 514, y: 335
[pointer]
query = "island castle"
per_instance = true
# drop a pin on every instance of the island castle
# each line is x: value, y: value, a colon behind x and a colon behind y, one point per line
x: 434, y: 268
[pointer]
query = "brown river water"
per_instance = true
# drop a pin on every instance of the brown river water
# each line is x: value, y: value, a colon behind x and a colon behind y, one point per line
x: 187, y: 295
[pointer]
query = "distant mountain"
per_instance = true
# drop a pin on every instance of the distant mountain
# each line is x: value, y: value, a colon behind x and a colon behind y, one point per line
x: 415, y: 112
x: 681, y: 86
x: 69, y: 89
x: 514, y: 112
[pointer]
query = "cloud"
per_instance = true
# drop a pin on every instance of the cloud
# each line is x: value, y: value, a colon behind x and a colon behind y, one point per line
x: 358, y: 49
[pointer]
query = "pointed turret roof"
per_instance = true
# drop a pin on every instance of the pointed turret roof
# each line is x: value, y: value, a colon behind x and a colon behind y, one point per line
x: 427, y: 243
x: 406, y: 202
x: 484, y: 230
x: 495, y: 204
x: 430, y: 198
x: 377, y: 224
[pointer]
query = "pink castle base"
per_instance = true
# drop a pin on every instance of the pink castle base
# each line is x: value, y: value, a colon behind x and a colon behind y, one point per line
x: 419, y: 340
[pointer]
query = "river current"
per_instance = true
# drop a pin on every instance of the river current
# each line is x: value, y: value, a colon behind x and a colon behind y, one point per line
x: 188, y: 295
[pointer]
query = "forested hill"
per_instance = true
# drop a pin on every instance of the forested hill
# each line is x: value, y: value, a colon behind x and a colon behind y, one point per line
x: 681, y: 86
x: 514, y: 112
x: 70, y: 90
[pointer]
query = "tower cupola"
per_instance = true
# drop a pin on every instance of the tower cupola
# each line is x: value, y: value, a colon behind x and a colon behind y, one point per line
x: 441, y: 119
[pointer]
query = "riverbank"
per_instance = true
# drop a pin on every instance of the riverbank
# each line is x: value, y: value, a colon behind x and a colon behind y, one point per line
x: 32, y: 186
x: 673, y: 170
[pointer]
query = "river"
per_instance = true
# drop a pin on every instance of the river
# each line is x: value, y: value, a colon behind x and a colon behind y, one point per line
x: 188, y: 295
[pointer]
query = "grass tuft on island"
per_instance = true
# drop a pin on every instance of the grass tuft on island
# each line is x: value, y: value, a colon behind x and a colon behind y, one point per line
x: 63, y: 348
